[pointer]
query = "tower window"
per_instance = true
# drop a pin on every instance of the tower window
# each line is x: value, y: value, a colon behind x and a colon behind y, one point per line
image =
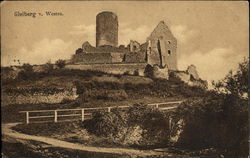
x: 169, y: 52
x: 169, y: 42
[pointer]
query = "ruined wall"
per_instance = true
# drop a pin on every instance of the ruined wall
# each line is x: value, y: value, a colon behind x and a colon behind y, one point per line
x: 190, y: 76
x: 37, y: 98
x: 160, y: 72
x: 167, y: 44
x: 89, y: 58
x: 112, y: 68
x: 135, y: 57
x: 92, y: 58
x: 193, y: 72
x: 156, y: 72
x: 86, y: 47
x: 117, y: 57
x: 134, y: 46
x: 106, y: 29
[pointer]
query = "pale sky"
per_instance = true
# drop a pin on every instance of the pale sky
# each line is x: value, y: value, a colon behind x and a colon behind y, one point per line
x: 214, y: 36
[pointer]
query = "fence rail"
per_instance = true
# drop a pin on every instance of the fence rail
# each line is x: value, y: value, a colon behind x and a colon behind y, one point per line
x: 82, y: 114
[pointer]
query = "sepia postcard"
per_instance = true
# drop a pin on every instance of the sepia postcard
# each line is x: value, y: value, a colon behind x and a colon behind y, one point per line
x: 125, y: 79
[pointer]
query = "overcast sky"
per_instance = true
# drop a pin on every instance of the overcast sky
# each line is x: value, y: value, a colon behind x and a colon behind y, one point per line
x: 211, y: 35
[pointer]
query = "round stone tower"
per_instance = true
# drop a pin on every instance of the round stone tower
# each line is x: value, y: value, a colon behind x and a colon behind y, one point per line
x: 106, y: 29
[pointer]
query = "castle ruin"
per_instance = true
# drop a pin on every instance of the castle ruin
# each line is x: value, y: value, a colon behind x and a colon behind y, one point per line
x: 158, y: 51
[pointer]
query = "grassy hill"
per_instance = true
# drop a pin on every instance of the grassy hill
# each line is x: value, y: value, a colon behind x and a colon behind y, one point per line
x: 94, y: 89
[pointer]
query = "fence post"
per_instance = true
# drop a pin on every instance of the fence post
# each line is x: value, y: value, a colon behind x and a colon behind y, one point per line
x: 109, y: 109
x: 170, y: 122
x: 55, y: 116
x: 157, y: 106
x: 82, y: 114
x: 27, y: 117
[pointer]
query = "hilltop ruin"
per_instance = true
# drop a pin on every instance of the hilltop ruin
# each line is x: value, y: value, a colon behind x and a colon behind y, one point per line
x: 159, y: 50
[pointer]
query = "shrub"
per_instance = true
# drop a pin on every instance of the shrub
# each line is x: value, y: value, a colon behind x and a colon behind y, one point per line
x: 137, y: 125
x: 153, y: 122
x: 103, y: 94
x: 106, y: 124
x: 60, y: 63
x: 148, y: 71
x: 136, y: 72
x: 213, y: 122
x: 48, y: 67
x: 27, y: 67
x: 219, y: 120
x: 26, y: 73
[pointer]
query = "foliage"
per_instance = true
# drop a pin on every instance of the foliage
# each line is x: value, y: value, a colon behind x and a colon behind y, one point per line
x: 26, y: 73
x: 153, y: 122
x: 159, y: 88
x: 219, y: 120
x: 213, y: 122
x: 235, y: 83
x: 114, y: 95
x: 48, y: 67
x: 27, y: 67
x: 33, y: 90
x: 150, y: 124
x: 79, y: 50
x: 136, y: 72
x: 105, y: 124
x: 60, y: 63
x: 148, y: 71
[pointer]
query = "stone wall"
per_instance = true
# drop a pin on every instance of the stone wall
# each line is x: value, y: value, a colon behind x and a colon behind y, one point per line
x: 117, y: 57
x: 90, y: 58
x: 129, y: 68
x: 156, y: 72
x: 160, y: 72
x: 135, y: 57
x: 37, y: 98
x: 190, y: 76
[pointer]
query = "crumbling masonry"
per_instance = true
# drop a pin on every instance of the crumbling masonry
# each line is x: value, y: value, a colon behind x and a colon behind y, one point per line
x: 156, y: 57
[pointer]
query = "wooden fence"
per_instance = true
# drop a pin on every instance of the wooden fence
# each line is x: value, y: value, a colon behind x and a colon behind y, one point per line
x: 83, y: 113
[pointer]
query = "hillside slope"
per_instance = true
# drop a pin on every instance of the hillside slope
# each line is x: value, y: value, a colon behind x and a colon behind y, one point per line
x: 63, y: 88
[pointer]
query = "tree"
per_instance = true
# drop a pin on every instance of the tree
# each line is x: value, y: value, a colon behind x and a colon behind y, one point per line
x: 27, y: 67
x: 60, y: 63
x: 27, y: 72
x: 235, y: 83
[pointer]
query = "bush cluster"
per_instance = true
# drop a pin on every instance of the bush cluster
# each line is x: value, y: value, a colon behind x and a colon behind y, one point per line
x: 159, y: 87
x: 215, y: 121
x: 60, y: 63
x: 27, y: 73
x: 138, y: 125
x: 220, y: 119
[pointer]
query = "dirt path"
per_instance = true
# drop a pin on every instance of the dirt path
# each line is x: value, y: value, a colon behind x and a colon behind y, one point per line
x: 6, y: 129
